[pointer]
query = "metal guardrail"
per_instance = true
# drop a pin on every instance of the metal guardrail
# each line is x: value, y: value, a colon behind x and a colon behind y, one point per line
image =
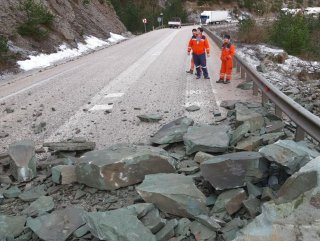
x: 306, y: 121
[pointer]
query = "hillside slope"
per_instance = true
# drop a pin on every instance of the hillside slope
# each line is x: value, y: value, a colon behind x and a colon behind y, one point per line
x: 72, y: 20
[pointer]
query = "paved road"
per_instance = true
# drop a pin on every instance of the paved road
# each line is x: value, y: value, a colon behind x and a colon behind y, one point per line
x: 146, y: 72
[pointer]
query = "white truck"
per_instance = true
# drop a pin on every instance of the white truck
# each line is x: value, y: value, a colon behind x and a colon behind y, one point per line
x: 174, y: 23
x: 215, y: 17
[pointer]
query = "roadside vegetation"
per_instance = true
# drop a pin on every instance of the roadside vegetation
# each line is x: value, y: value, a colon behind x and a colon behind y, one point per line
x: 132, y: 12
x: 296, y: 34
x: 38, y: 20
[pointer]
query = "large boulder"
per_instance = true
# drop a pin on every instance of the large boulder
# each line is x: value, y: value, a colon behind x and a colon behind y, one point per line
x: 206, y: 138
x: 174, y: 194
x: 307, y: 178
x: 246, y: 115
x: 122, y: 165
x: 11, y: 227
x: 234, y: 169
x: 121, y: 224
x: 23, y: 163
x: 172, y: 132
x: 295, y: 209
x: 57, y: 226
x: 289, y: 154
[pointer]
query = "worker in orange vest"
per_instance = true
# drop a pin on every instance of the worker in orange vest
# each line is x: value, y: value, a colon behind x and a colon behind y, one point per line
x: 200, y: 46
x: 194, y: 34
x: 227, y: 53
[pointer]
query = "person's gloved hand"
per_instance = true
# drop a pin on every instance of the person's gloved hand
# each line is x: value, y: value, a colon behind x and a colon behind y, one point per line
x: 208, y: 55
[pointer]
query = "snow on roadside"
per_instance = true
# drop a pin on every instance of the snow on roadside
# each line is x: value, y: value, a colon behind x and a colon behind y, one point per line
x: 45, y: 60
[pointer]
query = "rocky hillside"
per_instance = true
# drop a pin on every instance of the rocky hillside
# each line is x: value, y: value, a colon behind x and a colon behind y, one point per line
x: 71, y: 21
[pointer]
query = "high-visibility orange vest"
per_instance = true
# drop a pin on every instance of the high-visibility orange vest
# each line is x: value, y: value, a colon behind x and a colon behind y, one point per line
x: 199, y: 46
x: 228, y: 51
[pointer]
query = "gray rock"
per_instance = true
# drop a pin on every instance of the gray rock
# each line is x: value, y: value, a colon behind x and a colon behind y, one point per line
x: 11, y: 226
x: 272, y: 137
x: 33, y: 194
x: 239, y: 133
x: 209, y: 222
x: 174, y: 194
x: 121, y: 224
x: 141, y: 209
x: 248, y: 85
x: 230, y: 230
x: 80, y: 232
x: 1, y: 198
x: 64, y: 174
x: 189, y: 170
x: 122, y: 165
x: 167, y: 231
x: 57, y: 226
x: 307, y: 178
x: 254, y: 119
x: 202, y: 157
x: 153, y: 221
x: 261, y: 68
x: 253, y: 190
x: 5, y: 179
x: 267, y: 194
x: 211, y: 200
x: 289, y: 154
x: 3, y: 134
x: 150, y: 117
x: 25, y: 237
x: 252, y: 205
x: 274, y: 127
x: 193, y: 108
x: 12, y: 192
x: 72, y: 145
x: 234, y: 169
x: 172, y: 132
x: 249, y: 144
x: 183, y: 227
x: 39, y: 207
x: 201, y: 232
x: 23, y: 163
x: 206, y: 138
x: 229, y: 104
x: 231, y: 201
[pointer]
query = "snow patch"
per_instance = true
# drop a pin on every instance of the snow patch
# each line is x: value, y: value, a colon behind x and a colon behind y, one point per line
x: 45, y: 60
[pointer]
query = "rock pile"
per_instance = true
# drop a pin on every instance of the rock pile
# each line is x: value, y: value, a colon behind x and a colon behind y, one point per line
x: 243, y: 178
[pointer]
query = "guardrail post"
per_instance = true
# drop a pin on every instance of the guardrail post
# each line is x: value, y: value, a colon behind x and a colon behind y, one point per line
x: 278, y: 112
x: 264, y: 99
x: 300, y: 134
x: 243, y: 73
x: 238, y: 66
x: 255, y: 89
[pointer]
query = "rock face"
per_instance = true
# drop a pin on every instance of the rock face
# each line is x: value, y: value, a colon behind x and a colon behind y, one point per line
x: 73, y: 20
x: 122, y: 165
x: 57, y: 226
x: 23, y: 163
x: 289, y: 154
x: 121, y: 224
x: 174, y: 194
x: 172, y: 132
x: 214, y: 139
x: 234, y: 169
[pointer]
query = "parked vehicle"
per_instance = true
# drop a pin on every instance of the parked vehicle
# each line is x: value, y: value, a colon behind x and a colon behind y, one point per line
x: 175, y: 23
x: 215, y: 17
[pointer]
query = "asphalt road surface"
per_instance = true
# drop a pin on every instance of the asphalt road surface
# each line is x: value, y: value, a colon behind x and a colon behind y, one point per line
x: 146, y: 74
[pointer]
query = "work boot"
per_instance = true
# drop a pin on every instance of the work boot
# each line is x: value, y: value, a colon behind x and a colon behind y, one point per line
x: 207, y: 77
x: 198, y: 77
x: 190, y: 71
x: 227, y: 82
x: 219, y: 81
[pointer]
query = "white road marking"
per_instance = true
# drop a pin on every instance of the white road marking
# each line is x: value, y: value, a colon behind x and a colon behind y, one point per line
x: 41, y: 82
x: 114, y: 95
x: 118, y: 85
x: 101, y: 107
